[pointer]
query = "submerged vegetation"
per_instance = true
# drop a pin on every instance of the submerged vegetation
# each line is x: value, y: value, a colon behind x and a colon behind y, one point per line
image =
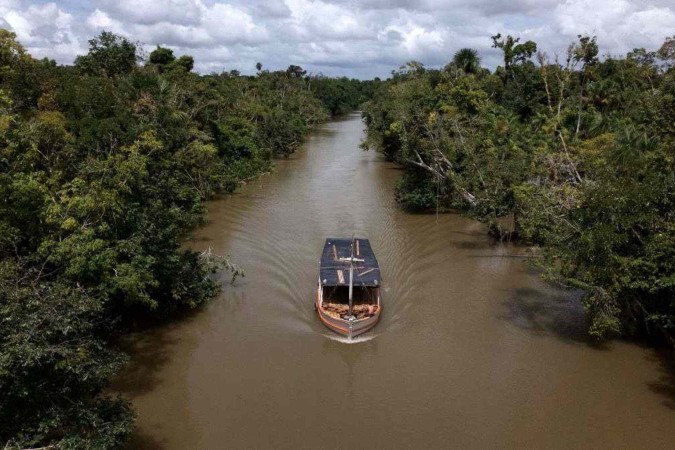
x: 104, y: 170
x: 573, y: 154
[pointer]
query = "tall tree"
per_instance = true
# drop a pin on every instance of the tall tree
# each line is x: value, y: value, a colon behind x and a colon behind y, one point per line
x: 295, y: 71
x: 162, y: 56
x: 110, y: 55
x: 467, y: 60
x: 514, y: 53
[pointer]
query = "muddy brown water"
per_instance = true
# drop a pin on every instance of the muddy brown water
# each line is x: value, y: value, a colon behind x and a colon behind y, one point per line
x: 472, y: 351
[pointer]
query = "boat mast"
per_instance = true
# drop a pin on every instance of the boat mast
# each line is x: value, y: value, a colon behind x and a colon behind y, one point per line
x: 351, y: 278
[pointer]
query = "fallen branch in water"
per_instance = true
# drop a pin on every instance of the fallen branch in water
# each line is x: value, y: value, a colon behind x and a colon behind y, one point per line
x: 216, y: 263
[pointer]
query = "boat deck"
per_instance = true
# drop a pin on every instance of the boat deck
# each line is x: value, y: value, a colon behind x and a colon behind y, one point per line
x: 334, y: 272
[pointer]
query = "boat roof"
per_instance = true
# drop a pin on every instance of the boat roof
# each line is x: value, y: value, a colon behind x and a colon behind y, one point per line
x: 334, y: 272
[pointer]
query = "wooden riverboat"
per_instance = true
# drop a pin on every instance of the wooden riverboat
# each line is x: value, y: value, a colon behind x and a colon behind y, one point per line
x: 348, y: 293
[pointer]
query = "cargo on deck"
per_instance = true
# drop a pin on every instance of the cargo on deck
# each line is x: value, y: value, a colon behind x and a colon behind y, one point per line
x: 348, y: 294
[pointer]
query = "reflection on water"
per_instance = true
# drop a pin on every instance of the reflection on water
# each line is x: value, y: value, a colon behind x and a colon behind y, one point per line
x: 472, y: 350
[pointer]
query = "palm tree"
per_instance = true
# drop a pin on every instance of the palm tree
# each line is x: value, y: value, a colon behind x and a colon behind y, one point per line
x: 467, y: 59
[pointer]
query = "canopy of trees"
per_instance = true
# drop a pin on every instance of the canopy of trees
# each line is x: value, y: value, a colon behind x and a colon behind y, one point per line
x: 104, y: 169
x: 341, y: 95
x: 578, y: 152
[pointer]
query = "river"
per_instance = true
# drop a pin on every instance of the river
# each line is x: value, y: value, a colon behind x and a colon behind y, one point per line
x: 473, y: 350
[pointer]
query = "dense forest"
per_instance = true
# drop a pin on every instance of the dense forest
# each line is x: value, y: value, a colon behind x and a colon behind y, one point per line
x: 574, y: 155
x: 105, y: 166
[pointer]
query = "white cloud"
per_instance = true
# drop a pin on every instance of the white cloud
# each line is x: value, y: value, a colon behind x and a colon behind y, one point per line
x: 317, y: 20
x: 268, y: 8
x: 148, y: 12
x: 219, y: 24
x: 45, y: 30
x: 100, y: 20
x: 620, y: 25
x: 363, y: 38
x: 227, y: 24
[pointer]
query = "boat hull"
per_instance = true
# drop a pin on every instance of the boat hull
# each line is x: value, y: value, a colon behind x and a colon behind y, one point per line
x: 348, y: 328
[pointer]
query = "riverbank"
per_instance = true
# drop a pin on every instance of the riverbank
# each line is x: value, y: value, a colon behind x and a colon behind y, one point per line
x: 105, y: 167
x: 540, y: 154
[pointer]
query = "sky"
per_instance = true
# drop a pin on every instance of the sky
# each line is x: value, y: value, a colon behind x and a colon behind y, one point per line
x: 361, y: 39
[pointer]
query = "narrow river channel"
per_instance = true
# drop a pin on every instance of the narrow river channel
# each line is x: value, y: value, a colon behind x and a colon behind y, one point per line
x: 472, y: 351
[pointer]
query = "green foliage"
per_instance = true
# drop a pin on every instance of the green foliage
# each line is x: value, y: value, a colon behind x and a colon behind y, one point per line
x: 341, y: 95
x: 184, y: 62
x: 295, y: 71
x: 415, y: 192
x: 467, y: 59
x: 514, y: 53
x: 110, y: 55
x: 11, y: 53
x: 580, y: 153
x: 54, y: 364
x: 162, y: 55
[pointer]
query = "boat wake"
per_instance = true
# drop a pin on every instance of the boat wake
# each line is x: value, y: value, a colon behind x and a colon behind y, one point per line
x: 346, y: 340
